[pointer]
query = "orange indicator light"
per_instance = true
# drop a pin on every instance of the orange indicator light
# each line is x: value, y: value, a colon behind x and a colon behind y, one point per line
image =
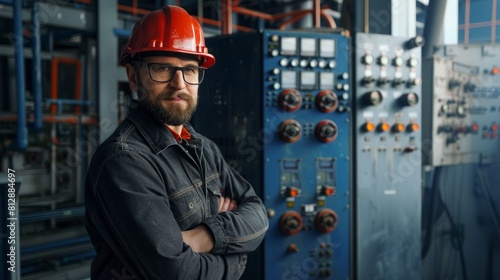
x: 495, y: 70
x: 329, y: 191
x: 413, y: 127
x: 399, y: 127
x: 369, y: 126
x: 475, y: 127
x: 292, y: 192
x: 384, y: 127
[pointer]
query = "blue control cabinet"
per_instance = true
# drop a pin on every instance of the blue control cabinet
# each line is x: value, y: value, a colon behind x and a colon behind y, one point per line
x: 278, y: 104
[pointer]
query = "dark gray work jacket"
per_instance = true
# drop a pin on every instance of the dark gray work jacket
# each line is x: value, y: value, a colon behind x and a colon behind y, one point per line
x: 143, y: 188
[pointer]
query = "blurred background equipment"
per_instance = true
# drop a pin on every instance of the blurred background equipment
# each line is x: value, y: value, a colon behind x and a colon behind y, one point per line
x: 279, y: 104
x: 368, y: 128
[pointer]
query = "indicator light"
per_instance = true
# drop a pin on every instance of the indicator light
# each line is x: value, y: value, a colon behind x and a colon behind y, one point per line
x: 495, y: 70
x: 368, y: 59
x: 368, y: 126
x: 398, y: 61
x: 413, y: 127
x: 292, y: 192
x: 412, y: 62
x: 292, y: 248
x: 383, y: 60
x: 494, y: 127
x: 328, y: 191
x: 321, y: 63
x: 398, y: 127
x: 384, y: 127
x: 474, y: 127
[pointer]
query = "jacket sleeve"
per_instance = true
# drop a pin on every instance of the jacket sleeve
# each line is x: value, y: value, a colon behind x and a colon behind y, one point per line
x: 241, y: 230
x: 133, y: 207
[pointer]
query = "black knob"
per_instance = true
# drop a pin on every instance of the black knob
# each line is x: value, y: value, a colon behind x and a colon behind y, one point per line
x: 291, y: 223
x: 290, y: 131
x: 290, y: 100
x: 326, y: 131
x: 408, y: 99
x: 414, y: 42
x: 326, y: 101
x: 373, y: 97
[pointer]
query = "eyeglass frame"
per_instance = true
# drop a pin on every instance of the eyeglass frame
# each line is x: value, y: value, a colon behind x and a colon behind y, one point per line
x: 175, y: 69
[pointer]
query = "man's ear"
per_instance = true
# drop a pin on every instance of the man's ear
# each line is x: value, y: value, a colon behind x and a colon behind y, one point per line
x: 132, y: 77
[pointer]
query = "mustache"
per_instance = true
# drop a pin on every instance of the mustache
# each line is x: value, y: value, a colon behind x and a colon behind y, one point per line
x: 175, y: 95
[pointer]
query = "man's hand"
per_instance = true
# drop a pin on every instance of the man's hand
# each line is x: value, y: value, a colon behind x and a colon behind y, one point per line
x: 199, y: 238
x: 227, y: 204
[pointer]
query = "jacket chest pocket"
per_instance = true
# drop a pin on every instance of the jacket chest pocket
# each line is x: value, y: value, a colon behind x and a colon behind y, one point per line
x: 214, y: 195
x: 187, y: 205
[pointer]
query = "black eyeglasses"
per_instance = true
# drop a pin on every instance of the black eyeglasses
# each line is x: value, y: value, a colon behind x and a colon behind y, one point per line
x: 164, y: 73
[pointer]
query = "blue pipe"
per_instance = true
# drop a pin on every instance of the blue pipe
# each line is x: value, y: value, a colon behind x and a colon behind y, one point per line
x: 125, y: 33
x: 78, y: 257
x: 52, y: 214
x: 37, y: 66
x: 54, y: 245
x: 41, y: 265
x: 22, y: 129
x: 60, y: 102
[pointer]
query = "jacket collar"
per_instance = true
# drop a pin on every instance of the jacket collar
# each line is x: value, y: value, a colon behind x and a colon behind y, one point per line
x: 156, y: 133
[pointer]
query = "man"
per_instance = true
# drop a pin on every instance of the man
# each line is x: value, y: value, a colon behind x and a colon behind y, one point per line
x: 161, y: 202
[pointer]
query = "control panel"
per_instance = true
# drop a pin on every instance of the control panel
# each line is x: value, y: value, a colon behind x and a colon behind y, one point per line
x: 462, y: 124
x: 282, y: 101
x: 387, y: 164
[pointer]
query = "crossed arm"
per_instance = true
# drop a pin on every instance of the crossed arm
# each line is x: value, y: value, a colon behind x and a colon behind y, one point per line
x: 200, y: 238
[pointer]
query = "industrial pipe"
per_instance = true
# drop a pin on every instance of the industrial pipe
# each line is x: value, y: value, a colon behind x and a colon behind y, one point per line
x: 22, y: 130
x: 37, y: 66
x: 52, y: 214
x: 433, y: 26
x: 54, y: 245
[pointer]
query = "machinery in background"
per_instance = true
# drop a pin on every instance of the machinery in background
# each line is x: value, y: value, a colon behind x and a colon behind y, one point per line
x: 387, y: 162
x: 278, y: 105
x: 461, y: 149
x: 463, y: 105
x: 47, y: 132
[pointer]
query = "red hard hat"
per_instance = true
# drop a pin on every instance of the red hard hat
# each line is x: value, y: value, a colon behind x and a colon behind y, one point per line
x: 169, y: 29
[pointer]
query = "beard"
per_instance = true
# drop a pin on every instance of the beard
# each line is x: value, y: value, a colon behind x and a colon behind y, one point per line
x: 170, y: 113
